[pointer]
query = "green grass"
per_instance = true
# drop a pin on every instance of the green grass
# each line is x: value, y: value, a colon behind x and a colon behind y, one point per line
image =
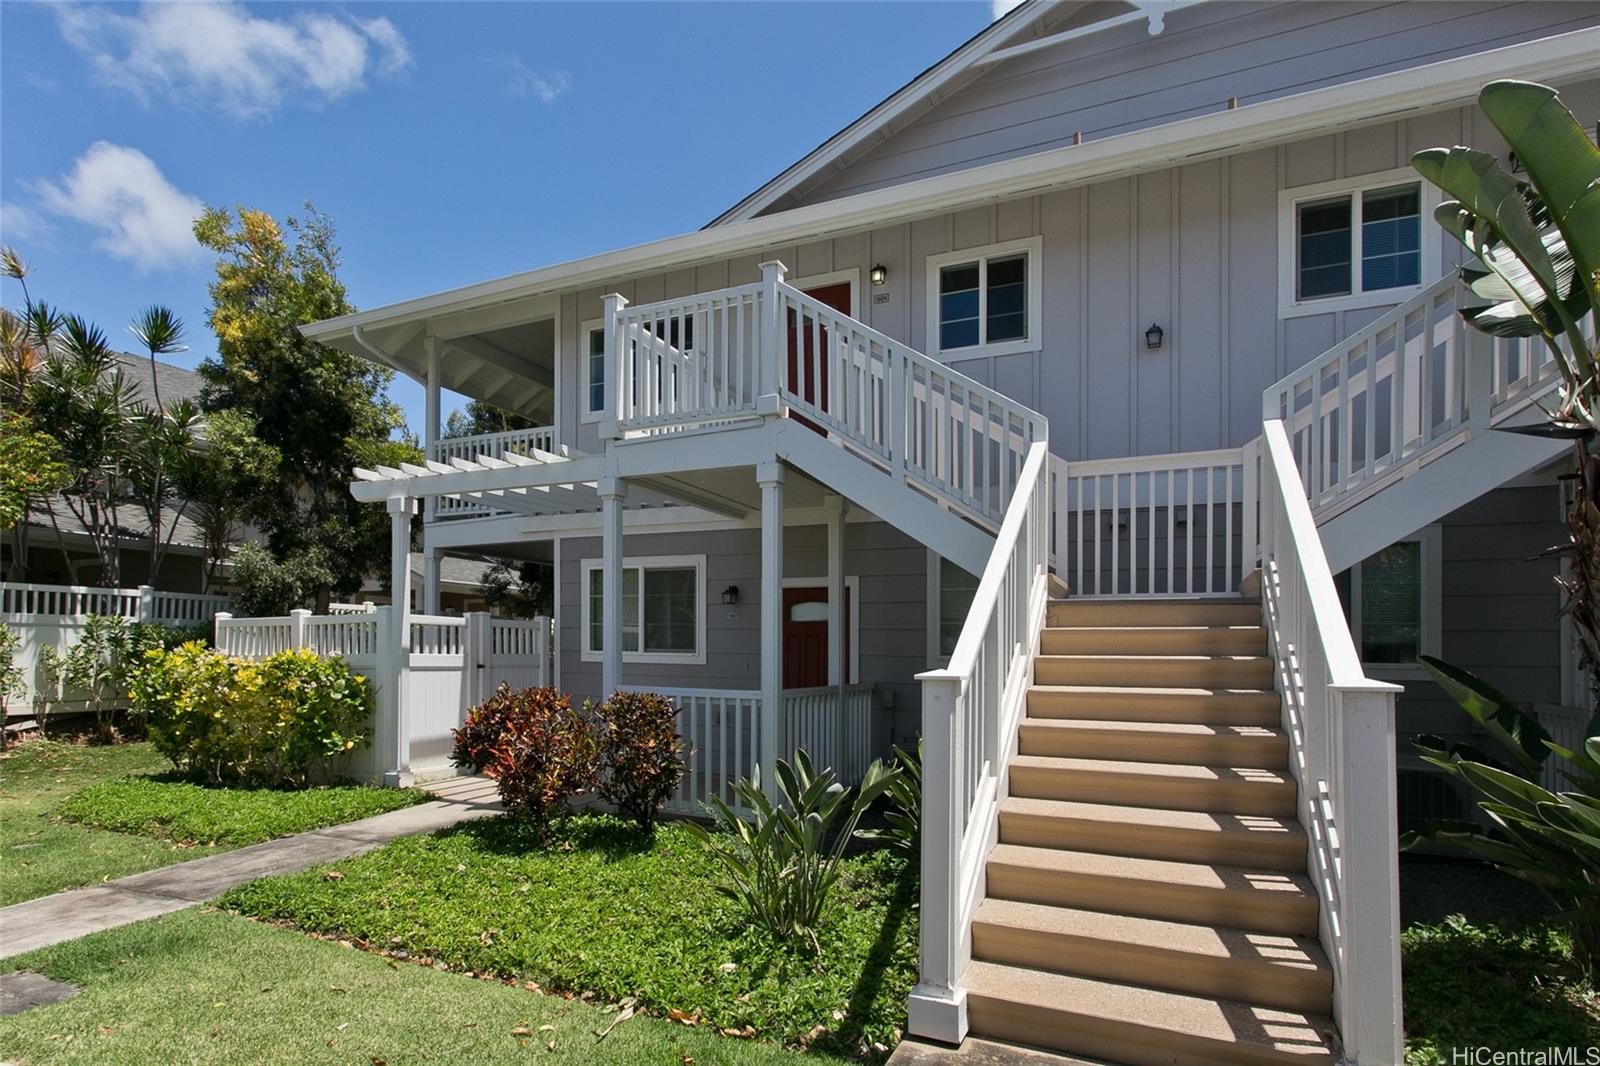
x: 202, y: 987
x: 126, y: 820
x: 601, y: 911
x: 230, y: 817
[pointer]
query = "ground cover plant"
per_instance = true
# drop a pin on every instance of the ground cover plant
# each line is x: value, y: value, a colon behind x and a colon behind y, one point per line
x: 601, y: 907
x: 72, y: 814
x: 200, y: 986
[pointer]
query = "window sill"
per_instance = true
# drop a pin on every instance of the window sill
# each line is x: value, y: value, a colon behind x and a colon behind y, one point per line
x: 648, y: 658
x: 588, y: 418
x: 1358, y: 302
x: 986, y: 351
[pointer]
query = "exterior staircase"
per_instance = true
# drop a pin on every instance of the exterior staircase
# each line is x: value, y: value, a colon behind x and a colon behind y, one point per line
x: 1147, y: 900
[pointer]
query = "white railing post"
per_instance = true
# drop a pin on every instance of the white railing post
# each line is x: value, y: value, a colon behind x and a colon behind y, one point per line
x: 1370, y: 1015
x: 1479, y: 378
x: 542, y: 626
x: 937, y: 1008
x: 773, y: 343
x: 619, y: 369
x: 147, y: 603
x: 899, y: 399
x: 297, y: 628
x: 1250, y: 508
x: 477, y: 645
x: 221, y: 632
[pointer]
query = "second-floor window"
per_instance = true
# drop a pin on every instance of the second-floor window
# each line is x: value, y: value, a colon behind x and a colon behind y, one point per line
x: 1358, y: 242
x: 594, y: 370
x: 985, y: 300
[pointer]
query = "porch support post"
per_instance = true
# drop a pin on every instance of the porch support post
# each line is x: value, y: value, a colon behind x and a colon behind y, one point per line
x: 430, y: 423
x: 430, y: 578
x: 612, y: 492
x: 770, y: 476
x: 772, y: 341
x: 401, y: 509
x: 839, y: 635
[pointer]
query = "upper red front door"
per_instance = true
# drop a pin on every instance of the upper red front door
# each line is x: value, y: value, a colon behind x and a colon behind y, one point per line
x: 808, y: 346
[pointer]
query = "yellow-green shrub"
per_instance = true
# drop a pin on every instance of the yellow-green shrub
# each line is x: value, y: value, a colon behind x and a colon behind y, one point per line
x: 233, y: 721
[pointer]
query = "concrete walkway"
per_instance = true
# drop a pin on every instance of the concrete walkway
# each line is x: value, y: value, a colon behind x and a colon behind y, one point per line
x: 48, y: 920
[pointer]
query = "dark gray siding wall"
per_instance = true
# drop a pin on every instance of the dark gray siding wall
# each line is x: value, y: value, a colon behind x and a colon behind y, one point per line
x: 892, y: 572
x: 1122, y: 79
x: 1499, y: 607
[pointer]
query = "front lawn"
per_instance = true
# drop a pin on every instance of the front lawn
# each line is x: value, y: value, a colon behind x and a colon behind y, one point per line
x: 125, y: 818
x: 202, y: 987
x: 604, y: 912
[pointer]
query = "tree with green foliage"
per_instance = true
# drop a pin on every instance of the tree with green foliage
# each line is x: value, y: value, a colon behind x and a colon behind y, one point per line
x: 481, y: 417
x: 220, y: 483
x: 30, y: 468
x: 322, y: 411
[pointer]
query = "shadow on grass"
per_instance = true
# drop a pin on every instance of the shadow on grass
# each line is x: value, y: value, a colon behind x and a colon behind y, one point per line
x: 606, y: 835
x: 847, y: 1039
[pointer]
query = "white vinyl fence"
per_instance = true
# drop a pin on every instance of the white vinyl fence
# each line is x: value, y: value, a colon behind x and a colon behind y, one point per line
x: 450, y: 665
x: 53, y: 616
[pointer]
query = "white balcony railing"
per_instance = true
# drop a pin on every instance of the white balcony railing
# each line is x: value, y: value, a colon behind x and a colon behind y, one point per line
x: 711, y: 358
x: 1341, y: 732
x: 494, y: 446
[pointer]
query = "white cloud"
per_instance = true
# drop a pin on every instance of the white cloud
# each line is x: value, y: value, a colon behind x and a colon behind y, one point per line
x: 140, y: 215
x: 999, y: 8
x: 19, y: 222
x: 219, y: 56
x: 522, y: 81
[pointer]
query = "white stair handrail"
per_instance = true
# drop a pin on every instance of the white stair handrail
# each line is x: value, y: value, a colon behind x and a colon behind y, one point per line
x: 1341, y: 730
x: 970, y: 713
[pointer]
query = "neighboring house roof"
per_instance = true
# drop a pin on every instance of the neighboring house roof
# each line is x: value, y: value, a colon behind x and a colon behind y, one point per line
x: 130, y: 517
x: 175, y: 382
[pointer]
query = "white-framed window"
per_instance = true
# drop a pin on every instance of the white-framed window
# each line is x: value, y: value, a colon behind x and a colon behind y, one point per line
x: 985, y: 301
x: 663, y: 609
x: 1392, y: 601
x: 592, y: 370
x: 950, y: 593
x: 1358, y: 242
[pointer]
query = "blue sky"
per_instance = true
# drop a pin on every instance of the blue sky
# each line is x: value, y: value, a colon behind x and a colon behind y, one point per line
x: 449, y: 142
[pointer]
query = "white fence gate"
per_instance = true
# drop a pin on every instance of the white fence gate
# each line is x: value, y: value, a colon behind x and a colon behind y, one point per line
x: 53, y: 616
x: 452, y: 664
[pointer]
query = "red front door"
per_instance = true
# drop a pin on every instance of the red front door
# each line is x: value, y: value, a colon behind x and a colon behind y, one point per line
x: 805, y: 637
x: 808, y: 348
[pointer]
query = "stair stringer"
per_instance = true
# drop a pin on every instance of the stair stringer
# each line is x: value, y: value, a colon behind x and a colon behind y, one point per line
x: 1487, y: 459
x: 891, y: 499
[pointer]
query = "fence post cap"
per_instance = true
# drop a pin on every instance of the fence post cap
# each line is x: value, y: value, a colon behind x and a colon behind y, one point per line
x: 304, y: 612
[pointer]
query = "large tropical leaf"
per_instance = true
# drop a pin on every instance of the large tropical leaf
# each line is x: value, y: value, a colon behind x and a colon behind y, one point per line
x: 1518, y: 732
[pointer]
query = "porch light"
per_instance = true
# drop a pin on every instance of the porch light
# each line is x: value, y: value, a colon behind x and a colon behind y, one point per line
x: 1152, y: 337
x: 730, y: 595
x: 880, y: 275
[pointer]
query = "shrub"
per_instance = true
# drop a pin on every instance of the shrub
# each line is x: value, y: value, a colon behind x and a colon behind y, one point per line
x: 902, y: 826
x: 538, y: 748
x: 230, y: 721
x: 10, y: 669
x: 641, y: 754
x: 101, y: 663
x: 783, y: 861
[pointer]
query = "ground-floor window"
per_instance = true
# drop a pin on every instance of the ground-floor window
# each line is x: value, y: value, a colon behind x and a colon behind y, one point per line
x: 1392, y: 601
x: 950, y: 592
x: 663, y: 609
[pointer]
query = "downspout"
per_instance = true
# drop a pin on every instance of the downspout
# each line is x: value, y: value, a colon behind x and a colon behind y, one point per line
x: 379, y: 355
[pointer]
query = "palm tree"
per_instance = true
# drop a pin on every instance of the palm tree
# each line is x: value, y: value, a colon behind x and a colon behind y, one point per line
x: 161, y: 332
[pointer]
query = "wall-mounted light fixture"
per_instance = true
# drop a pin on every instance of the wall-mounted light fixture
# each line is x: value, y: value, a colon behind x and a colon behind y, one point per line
x: 880, y: 275
x: 730, y: 595
x: 1152, y: 336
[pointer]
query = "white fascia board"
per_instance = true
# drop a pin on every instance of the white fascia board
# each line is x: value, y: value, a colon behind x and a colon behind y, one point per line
x: 1379, y: 98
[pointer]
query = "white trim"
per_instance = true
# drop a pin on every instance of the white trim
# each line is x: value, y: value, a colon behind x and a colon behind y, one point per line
x: 852, y: 584
x: 1385, y: 97
x: 642, y: 563
x: 1033, y: 247
x: 1430, y: 269
x: 834, y: 277
x: 585, y: 328
x: 1431, y: 538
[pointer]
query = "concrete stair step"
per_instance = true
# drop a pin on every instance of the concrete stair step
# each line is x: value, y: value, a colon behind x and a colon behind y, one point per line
x: 1143, y: 703
x: 1154, y: 640
x: 1150, y: 832
x: 1239, y: 897
x: 1269, y: 969
x: 1139, y: 1026
x: 1221, y: 611
x: 1164, y: 742
x: 1182, y: 671
x: 1172, y: 786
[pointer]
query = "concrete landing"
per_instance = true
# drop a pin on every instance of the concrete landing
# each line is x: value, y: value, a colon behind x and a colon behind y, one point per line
x: 39, y: 923
x: 975, y: 1052
x: 24, y: 990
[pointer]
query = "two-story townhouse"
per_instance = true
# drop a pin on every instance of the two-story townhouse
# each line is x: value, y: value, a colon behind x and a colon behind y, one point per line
x: 1143, y: 293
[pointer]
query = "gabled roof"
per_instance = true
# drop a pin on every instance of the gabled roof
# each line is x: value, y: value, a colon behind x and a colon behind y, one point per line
x: 176, y: 382
x: 1030, y: 20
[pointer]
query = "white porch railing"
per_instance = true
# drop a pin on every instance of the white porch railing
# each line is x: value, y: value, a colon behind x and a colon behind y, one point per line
x: 833, y: 735
x: 1341, y: 730
x: 493, y: 445
x: 1156, y: 525
x: 970, y: 713
x: 722, y: 730
x: 711, y: 358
